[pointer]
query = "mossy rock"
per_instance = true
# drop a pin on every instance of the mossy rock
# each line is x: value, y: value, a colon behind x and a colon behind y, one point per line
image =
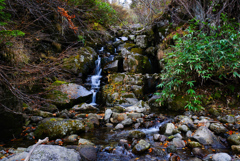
x: 83, y: 61
x: 59, y: 128
x: 137, y: 50
x: 129, y: 46
x: 178, y: 103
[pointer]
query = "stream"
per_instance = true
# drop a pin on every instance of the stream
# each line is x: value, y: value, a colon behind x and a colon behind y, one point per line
x: 127, y: 128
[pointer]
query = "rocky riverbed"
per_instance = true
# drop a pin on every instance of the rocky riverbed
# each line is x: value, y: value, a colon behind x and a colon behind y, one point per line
x: 128, y: 123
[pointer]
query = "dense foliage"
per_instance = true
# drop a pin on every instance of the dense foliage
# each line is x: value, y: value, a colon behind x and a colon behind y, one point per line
x: 5, y: 34
x: 199, y: 57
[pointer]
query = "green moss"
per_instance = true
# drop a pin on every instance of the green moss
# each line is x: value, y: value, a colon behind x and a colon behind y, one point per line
x: 137, y: 50
x: 129, y: 45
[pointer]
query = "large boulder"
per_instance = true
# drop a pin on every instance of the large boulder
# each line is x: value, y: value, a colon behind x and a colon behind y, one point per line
x: 204, y: 136
x: 48, y: 152
x: 141, y: 106
x: 58, y: 127
x: 82, y: 60
x: 67, y: 94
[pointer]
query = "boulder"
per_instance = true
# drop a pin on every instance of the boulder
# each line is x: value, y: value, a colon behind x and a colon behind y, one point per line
x: 136, y: 63
x: 83, y: 61
x: 88, y: 152
x: 136, y: 135
x: 227, y: 119
x: 141, y: 106
x: 179, y: 143
x: 221, y: 157
x: 141, y: 41
x: 49, y: 152
x: 204, y: 136
x: 167, y: 129
x: 67, y: 94
x: 141, y: 147
x: 218, y: 128
x: 82, y: 141
x: 59, y: 127
x: 84, y: 107
x: 234, y: 139
x: 236, y: 148
x: 107, y: 115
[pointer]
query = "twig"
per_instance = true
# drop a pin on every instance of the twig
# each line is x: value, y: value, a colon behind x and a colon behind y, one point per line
x: 34, y: 146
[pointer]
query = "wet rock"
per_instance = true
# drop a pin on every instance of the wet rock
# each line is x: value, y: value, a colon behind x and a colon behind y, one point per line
x: 118, y: 117
x: 213, y: 111
x: 49, y: 152
x: 93, y: 118
x: 88, y: 152
x: 82, y: 61
x: 119, y: 126
x: 131, y: 37
x: 118, y: 109
x: 199, y: 152
x: 236, y: 148
x: 179, y: 143
x: 137, y: 125
x: 189, y: 134
x: 82, y: 141
x: 111, y: 67
x: 141, y: 41
x: 36, y: 118
x: 141, y: 106
x: 183, y: 128
x: 167, y: 129
x: 58, y: 127
x: 84, y: 107
x: 127, y: 122
x: 227, y: 119
x: 162, y: 138
x: 141, y: 147
x: 134, y: 116
x: 136, y: 63
x: 156, y: 137
x: 234, y: 139
x: 217, y: 128
x: 136, y: 135
x: 148, y: 124
x: 194, y: 159
x: 71, y: 139
x: 194, y: 144
x: 159, y: 152
x: 174, y: 157
x: 171, y: 148
x: 204, y: 136
x: 221, y: 157
x: 107, y: 115
x: 186, y: 121
x: 204, y: 122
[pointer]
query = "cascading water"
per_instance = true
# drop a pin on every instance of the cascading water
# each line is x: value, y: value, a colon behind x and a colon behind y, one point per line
x: 95, y: 80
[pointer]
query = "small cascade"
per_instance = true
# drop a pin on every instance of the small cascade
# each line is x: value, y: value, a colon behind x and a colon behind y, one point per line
x: 95, y: 80
x: 156, y: 127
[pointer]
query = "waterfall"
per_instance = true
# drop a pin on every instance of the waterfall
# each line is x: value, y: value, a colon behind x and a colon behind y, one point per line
x: 95, y: 80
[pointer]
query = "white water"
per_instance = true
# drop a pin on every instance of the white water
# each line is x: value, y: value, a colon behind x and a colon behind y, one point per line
x: 95, y: 80
x: 155, y: 128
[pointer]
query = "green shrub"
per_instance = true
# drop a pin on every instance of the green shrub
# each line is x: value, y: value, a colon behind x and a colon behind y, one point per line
x: 5, y: 34
x: 199, y: 57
